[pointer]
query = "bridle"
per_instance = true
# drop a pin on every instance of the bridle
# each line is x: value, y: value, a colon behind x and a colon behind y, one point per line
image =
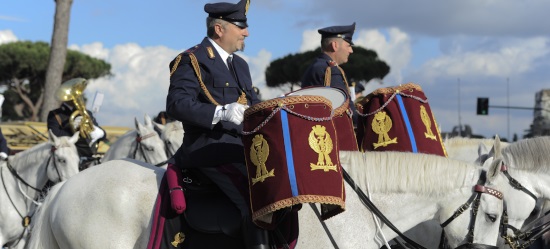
x: 26, y: 220
x: 474, y: 200
x: 479, y: 189
x: 139, y: 145
x: 529, y: 236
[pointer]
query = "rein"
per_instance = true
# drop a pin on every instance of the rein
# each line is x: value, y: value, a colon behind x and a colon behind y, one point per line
x: 365, y: 199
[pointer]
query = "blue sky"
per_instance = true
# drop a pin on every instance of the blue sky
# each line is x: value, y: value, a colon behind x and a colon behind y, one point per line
x: 484, y: 48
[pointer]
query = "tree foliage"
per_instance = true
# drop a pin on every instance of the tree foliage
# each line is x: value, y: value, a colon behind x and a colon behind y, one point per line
x: 363, y: 65
x: 23, y: 68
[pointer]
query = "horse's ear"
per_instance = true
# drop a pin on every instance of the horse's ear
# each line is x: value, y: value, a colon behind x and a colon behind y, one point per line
x: 494, y: 169
x: 52, y: 138
x: 497, y: 148
x: 139, y: 126
x: 160, y: 127
x: 482, y: 149
x: 148, y: 121
x: 74, y: 138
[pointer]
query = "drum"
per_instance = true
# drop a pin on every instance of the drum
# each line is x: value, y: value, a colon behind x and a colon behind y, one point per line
x: 292, y: 157
x: 342, y: 117
x: 399, y: 119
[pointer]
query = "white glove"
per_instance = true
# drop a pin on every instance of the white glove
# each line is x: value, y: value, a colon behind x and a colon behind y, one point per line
x: 3, y: 156
x: 76, y: 122
x: 233, y: 113
x: 96, y: 134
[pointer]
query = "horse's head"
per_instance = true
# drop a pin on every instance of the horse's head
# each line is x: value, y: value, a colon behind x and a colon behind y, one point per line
x: 520, y: 187
x: 64, y: 160
x: 172, y: 135
x: 480, y: 222
x: 150, y: 146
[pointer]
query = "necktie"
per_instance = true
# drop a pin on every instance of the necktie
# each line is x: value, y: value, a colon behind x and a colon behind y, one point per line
x: 231, y: 68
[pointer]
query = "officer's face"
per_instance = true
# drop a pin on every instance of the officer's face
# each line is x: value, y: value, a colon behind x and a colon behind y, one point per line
x: 342, y: 51
x: 232, y: 37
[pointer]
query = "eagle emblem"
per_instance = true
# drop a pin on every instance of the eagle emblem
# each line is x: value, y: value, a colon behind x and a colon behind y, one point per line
x: 321, y: 143
x: 381, y: 125
x: 259, y: 151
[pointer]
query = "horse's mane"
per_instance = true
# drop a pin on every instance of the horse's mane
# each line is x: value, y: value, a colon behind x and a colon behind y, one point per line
x: 458, y: 141
x: 407, y: 172
x: 531, y: 154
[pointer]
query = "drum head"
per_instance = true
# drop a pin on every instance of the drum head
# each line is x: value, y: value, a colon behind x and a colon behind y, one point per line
x: 335, y: 95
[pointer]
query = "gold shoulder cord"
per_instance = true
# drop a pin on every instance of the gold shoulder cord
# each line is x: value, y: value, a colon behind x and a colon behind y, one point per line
x: 196, y: 68
x: 328, y: 77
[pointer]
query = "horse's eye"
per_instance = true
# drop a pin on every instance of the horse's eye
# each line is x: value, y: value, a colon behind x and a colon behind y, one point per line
x: 149, y: 148
x: 61, y: 160
x: 491, y: 217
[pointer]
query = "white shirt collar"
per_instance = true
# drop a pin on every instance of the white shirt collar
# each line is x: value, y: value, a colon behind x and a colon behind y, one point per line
x: 220, y: 50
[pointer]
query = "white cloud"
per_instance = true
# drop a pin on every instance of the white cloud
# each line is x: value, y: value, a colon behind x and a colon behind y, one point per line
x: 7, y: 36
x: 394, y: 49
x: 139, y: 84
x: 512, y: 58
x: 311, y: 39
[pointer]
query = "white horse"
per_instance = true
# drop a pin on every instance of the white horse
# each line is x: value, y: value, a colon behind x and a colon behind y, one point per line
x: 526, y: 162
x: 142, y: 144
x: 172, y: 136
x: 472, y: 150
x: 111, y: 204
x: 24, y: 176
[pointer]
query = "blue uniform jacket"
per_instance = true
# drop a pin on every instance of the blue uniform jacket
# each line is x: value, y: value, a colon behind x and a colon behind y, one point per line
x: 315, y: 76
x: 204, y: 144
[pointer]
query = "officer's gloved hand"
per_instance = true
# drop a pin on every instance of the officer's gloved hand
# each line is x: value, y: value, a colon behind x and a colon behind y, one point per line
x: 233, y: 113
x: 96, y: 134
x: 3, y: 156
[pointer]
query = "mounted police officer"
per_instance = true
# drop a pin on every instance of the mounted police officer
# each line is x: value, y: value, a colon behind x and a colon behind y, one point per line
x: 210, y: 88
x: 336, y: 46
x: 68, y: 119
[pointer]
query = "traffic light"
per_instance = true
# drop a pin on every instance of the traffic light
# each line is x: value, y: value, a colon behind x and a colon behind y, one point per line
x: 482, y: 106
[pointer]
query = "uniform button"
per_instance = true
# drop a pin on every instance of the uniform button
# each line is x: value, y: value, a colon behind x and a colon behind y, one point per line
x: 226, y: 83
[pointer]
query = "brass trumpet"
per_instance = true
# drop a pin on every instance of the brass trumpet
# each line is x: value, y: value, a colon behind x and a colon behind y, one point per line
x: 73, y: 90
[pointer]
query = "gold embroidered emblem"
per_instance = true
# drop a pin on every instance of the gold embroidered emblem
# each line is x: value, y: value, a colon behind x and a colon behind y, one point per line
x: 427, y: 123
x: 381, y: 125
x: 210, y: 52
x: 178, y: 239
x: 259, y: 151
x: 320, y: 142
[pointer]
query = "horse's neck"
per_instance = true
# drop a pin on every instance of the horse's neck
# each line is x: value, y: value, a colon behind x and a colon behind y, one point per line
x: 125, y: 146
x: 31, y: 166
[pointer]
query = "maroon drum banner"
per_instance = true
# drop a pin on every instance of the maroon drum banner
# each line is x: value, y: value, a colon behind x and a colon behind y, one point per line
x: 342, y: 116
x: 399, y: 119
x: 291, y: 157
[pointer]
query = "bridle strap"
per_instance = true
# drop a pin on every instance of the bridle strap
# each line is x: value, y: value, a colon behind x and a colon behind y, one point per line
x: 515, y: 184
x: 367, y: 202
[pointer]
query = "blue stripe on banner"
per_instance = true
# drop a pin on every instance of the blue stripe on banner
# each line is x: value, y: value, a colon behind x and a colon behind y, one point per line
x: 288, y: 151
x: 407, y: 123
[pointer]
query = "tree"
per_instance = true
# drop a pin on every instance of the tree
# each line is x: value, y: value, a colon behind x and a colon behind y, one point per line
x: 362, y: 66
x: 58, y: 54
x: 23, y: 67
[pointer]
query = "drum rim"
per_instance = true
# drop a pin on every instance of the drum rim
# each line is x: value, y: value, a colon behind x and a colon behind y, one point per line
x: 287, y: 100
x: 341, y: 109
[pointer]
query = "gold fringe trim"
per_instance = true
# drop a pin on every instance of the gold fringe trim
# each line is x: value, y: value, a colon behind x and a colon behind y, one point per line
x: 289, y: 100
x: 401, y: 88
x: 175, y: 66
x: 326, y: 200
x: 328, y: 76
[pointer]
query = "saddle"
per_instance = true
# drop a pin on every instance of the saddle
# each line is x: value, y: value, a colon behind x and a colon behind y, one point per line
x: 209, y: 210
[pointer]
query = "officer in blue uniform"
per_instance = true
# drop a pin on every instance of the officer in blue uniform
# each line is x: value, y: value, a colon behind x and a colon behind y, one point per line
x: 210, y: 88
x: 336, y: 46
